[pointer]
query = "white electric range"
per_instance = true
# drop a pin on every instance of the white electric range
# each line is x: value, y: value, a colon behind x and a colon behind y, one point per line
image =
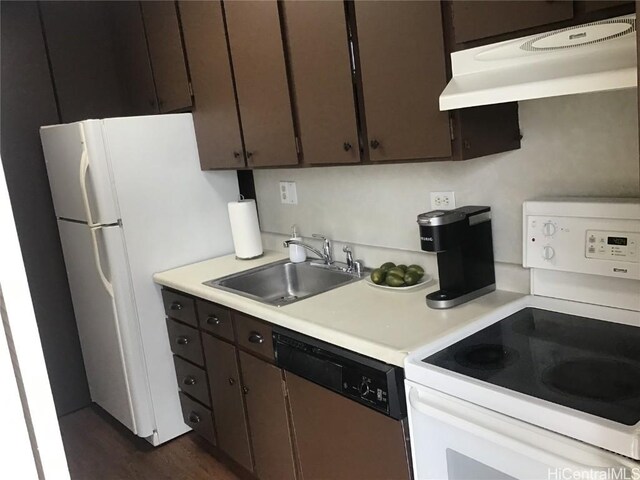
x: 549, y: 385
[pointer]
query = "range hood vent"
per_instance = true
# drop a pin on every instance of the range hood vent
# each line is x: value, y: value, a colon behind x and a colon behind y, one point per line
x: 594, y: 57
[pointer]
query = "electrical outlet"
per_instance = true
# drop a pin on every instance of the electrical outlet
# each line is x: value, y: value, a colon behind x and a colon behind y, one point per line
x: 288, y: 193
x: 443, y: 200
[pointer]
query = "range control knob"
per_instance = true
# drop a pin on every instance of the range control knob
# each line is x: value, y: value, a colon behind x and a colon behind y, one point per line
x: 548, y: 252
x: 548, y: 229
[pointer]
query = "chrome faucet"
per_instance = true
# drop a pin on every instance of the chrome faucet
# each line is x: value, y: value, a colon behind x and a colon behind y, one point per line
x: 326, y: 255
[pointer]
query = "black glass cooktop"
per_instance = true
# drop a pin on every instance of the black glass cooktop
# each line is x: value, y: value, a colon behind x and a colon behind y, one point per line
x: 581, y: 363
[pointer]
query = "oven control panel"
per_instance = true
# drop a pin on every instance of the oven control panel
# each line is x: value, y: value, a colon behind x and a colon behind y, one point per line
x: 620, y: 246
x: 583, y: 245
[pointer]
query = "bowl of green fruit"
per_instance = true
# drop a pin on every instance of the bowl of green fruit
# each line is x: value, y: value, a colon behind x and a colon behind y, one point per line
x: 402, y: 278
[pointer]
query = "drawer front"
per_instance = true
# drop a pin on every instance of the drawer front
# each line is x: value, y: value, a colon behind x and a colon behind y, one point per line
x: 215, y: 319
x: 192, y: 380
x: 198, y: 417
x: 185, y: 341
x: 254, y: 335
x: 180, y: 307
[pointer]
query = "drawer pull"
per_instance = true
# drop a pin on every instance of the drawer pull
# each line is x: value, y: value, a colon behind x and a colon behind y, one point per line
x: 176, y: 306
x: 245, y: 390
x: 189, y: 380
x: 182, y: 340
x: 213, y: 320
x: 255, y: 337
x: 231, y: 381
x: 194, y: 418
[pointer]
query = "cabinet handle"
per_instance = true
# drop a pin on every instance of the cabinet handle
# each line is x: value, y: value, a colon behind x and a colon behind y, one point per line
x: 182, y: 340
x: 255, y: 337
x: 213, y: 320
x: 189, y: 380
x: 249, y: 154
x: 231, y: 381
x: 374, y: 143
x: 245, y: 390
x: 346, y: 146
x: 194, y: 417
x: 176, y: 306
x: 236, y: 154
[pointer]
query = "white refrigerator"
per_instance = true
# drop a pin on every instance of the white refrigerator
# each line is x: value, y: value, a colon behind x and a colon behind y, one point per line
x: 131, y: 200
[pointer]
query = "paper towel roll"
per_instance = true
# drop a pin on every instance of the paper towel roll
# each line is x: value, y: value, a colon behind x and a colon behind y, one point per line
x: 245, y: 229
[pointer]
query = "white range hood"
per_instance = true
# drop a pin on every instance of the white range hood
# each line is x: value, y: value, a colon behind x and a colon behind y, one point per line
x: 594, y: 57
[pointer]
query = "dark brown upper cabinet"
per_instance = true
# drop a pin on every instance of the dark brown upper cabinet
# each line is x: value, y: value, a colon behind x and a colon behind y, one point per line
x: 215, y: 113
x: 471, y: 23
x: 262, y: 86
x: 402, y: 62
x: 596, y: 5
x: 133, y: 59
x: 322, y: 77
x: 167, y: 58
x: 83, y: 59
x: 474, y: 20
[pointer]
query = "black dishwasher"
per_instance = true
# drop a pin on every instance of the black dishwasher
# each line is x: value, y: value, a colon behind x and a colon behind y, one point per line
x: 370, y: 382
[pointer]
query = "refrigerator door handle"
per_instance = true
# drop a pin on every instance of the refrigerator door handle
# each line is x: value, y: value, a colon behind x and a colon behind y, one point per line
x: 96, y: 257
x: 84, y: 167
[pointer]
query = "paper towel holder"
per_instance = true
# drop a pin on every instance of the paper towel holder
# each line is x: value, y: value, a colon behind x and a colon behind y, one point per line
x: 235, y: 233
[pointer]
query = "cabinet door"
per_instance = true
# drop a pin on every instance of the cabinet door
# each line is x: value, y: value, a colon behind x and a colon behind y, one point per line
x: 268, y: 419
x: 257, y: 54
x: 215, y: 113
x: 227, y: 400
x: 167, y: 58
x: 340, y: 439
x: 595, y: 5
x: 403, y: 73
x: 82, y: 55
x: 322, y: 79
x: 474, y: 20
x: 133, y: 58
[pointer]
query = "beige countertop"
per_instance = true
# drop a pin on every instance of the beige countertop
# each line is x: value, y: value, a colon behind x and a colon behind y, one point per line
x: 381, y: 324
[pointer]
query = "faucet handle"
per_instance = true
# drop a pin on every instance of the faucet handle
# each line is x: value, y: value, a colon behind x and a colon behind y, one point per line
x: 326, y: 248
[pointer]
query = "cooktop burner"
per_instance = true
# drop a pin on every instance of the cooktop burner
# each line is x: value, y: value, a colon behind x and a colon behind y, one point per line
x: 597, y: 378
x: 581, y: 363
x: 486, y: 356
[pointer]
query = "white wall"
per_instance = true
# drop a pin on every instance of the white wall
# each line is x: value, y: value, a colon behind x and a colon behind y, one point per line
x: 575, y: 145
x: 22, y: 366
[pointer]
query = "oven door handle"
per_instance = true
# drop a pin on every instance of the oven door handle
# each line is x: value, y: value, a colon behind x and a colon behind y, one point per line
x: 495, y: 430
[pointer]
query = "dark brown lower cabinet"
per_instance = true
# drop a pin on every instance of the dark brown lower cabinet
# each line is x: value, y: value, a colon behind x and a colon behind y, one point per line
x: 340, y: 439
x: 267, y: 412
x: 273, y: 424
x: 226, y: 397
x: 198, y: 417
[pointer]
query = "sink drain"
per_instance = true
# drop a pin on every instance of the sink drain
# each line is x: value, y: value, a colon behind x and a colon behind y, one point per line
x: 288, y: 298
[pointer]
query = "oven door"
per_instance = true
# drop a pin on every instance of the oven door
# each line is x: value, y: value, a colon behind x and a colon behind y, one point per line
x: 453, y: 439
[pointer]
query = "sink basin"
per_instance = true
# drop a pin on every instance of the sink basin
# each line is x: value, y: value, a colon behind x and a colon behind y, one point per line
x: 284, y: 282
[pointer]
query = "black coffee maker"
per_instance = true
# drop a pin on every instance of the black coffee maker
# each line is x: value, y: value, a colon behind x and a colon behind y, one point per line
x: 462, y: 238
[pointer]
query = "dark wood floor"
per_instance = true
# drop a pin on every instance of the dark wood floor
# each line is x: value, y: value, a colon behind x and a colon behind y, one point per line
x: 97, y: 447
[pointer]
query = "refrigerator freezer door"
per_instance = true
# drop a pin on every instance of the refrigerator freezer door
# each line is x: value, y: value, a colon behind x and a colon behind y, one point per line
x: 79, y: 176
x: 111, y: 350
x: 172, y: 214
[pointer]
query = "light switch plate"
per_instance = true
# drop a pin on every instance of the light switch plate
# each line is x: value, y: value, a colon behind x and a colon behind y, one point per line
x: 288, y: 193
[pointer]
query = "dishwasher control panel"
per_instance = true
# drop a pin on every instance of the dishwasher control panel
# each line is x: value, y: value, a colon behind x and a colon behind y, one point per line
x: 370, y: 387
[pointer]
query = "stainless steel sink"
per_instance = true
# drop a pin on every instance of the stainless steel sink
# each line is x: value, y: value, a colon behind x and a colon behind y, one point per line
x: 284, y: 282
